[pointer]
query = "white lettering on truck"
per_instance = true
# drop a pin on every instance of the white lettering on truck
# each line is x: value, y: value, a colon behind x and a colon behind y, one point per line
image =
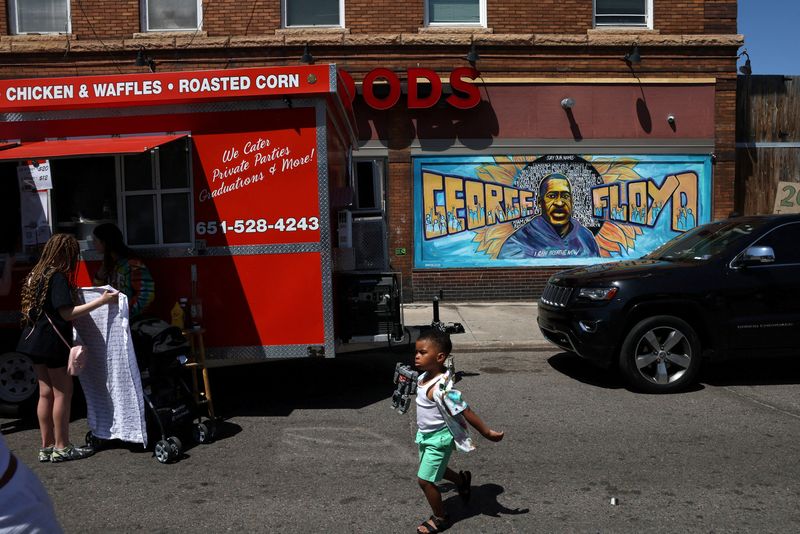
x: 280, y: 81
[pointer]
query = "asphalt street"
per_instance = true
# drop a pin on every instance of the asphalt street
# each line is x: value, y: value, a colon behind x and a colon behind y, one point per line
x: 313, y: 446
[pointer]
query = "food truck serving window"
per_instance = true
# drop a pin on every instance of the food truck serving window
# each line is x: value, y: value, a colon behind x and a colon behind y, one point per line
x: 156, y: 195
x: 141, y: 184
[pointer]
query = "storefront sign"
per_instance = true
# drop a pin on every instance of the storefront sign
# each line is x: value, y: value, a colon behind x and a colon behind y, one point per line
x: 259, y: 187
x: 193, y: 86
x: 161, y: 88
x: 787, y: 198
x: 554, y: 210
x: 466, y: 95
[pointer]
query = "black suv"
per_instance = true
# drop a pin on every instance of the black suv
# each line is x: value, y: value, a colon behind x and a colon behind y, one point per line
x: 723, y: 289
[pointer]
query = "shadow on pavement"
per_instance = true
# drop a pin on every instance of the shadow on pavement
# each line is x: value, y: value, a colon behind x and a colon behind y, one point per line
x: 752, y: 371
x: 276, y: 388
x: 484, y: 501
x: 224, y: 430
x: 19, y: 424
x: 586, y: 372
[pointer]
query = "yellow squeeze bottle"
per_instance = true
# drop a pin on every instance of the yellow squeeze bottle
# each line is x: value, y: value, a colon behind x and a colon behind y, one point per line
x: 177, y: 315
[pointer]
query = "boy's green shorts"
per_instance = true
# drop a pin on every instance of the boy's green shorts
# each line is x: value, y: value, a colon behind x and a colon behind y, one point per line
x: 435, y: 449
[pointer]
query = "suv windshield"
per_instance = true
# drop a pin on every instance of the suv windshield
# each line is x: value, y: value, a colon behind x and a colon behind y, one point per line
x: 704, y: 242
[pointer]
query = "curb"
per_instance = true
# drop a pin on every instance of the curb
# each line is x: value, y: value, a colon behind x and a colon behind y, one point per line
x: 507, y: 346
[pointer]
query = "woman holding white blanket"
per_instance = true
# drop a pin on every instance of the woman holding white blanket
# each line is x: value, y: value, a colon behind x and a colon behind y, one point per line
x: 48, y: 303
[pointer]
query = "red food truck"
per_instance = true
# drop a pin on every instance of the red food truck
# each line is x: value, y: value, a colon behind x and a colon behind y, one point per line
x: 231, y: 185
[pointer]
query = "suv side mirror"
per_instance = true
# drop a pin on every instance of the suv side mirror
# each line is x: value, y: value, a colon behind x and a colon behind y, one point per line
x: 758, y: 256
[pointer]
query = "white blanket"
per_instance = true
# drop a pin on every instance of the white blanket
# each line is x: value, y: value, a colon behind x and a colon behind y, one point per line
x: 111, y: 381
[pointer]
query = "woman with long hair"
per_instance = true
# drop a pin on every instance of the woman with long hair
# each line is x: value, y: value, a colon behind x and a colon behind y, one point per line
x: 49, y: 298
x: 122, y: 271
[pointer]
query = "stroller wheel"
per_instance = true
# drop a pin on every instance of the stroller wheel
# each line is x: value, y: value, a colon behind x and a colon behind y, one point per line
x: 203, y: 432
x: 162, y: 451
x: 175, y: 448
x: 93, y: 441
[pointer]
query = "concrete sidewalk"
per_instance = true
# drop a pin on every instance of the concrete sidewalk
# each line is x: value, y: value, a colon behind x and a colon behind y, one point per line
x: 506, y: 326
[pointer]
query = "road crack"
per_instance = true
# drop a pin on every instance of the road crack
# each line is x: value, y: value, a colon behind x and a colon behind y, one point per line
x: 761, y: 403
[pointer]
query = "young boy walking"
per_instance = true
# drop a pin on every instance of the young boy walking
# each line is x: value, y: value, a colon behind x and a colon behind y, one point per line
x: 441, y: 416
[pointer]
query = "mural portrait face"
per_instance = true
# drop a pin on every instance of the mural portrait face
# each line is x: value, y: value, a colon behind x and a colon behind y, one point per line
x: 556, y: 201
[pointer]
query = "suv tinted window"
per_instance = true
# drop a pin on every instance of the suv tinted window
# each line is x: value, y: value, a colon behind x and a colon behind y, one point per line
x: 705, y: 241
x: 784, y: 242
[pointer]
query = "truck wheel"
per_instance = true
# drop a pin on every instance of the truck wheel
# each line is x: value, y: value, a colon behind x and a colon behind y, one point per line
x: 18, y: 383
x: 660, y: 354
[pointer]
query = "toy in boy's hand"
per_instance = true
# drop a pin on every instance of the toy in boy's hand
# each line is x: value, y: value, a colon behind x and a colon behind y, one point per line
x: 405, y: 379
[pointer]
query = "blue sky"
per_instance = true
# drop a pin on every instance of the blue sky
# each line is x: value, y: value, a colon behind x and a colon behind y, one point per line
x: 771, y: 31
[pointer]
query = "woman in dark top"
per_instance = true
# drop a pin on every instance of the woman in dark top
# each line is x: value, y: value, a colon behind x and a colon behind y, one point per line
x: 48, y: 295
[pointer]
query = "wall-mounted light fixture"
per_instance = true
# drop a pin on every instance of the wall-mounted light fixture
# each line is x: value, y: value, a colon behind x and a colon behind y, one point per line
x: 142, y: 60
x: 307, y: 57
x: 472, y: 56
x: 671, y: 118
x: 633, y: 56
x: 745, y: 69
x: 567, y: 103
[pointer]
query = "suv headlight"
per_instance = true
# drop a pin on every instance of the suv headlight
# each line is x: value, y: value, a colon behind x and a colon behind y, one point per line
x: 597, y: 293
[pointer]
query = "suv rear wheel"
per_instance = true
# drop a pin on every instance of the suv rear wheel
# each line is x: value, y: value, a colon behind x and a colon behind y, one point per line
x: 660, y: 354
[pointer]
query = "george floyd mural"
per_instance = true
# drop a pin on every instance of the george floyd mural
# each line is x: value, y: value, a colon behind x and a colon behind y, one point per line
x: 552, y: 210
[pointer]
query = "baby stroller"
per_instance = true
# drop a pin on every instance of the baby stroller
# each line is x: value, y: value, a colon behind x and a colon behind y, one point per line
x: 170, y: 408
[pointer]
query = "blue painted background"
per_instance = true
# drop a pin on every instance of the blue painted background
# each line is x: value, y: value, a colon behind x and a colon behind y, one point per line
x: 460, y: 250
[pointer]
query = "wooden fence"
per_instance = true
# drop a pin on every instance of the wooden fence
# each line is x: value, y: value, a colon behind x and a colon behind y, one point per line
x: 767, y: 140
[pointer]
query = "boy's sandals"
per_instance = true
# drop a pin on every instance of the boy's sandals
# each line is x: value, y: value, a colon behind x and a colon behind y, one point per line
x: 433, y: 525
x: 465, y: 489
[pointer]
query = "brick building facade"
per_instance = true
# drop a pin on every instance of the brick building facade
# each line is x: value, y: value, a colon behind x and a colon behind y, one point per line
x: 531, y: 57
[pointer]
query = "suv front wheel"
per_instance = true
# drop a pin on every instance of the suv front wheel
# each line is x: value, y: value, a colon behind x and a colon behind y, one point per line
x: 660, y: 354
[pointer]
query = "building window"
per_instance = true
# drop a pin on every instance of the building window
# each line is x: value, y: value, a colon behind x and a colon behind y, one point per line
x: 455, y: 12
x: 171, y: 15
x: 636, y: 13
x: 39, y: 16
x: 156, y: 195
x: 313, y: 13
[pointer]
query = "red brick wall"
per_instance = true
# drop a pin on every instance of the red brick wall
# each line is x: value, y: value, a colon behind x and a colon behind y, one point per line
x: 720, y: 16
x: 486, y: 284
x: 360, y: 16
x: 236, y: 17
x: 400, y: 215
x: 108, y: 19
x: 120, y: 18
x: 542, y: 16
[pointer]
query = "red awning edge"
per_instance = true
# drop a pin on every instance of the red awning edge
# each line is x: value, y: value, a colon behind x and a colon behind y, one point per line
x: 96, y: 146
